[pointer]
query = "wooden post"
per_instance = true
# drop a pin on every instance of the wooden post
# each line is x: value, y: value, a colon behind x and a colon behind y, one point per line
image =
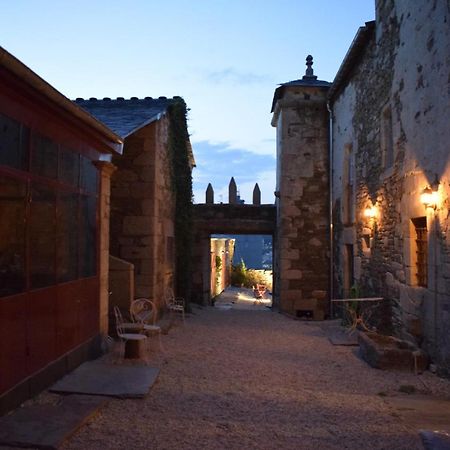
x: 135, y: 349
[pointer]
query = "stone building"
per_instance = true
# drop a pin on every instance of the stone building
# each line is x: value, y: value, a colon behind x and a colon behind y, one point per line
x: 391, y: 167
x: 388, y: 148
x: 54, y: 232
x: 143, y: 198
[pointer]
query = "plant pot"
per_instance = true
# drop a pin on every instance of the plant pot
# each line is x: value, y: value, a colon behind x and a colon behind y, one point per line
x: 390, y: 353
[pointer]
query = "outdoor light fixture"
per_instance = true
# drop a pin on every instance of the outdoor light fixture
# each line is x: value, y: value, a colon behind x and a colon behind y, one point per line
x: 370, y: 212
x: 429, y: 197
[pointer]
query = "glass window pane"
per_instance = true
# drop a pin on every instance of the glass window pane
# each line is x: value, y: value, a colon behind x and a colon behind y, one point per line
x: 89, y: 175
x: 88, y: 236
x: 14, y: 139
x: 12, y: 236
x: 69, y: 167
x: 42, y: 237
x: 44, y: 159
x: 67, y: 242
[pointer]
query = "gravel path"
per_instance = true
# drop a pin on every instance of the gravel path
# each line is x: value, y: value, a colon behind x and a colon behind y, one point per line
x: 255, y: 379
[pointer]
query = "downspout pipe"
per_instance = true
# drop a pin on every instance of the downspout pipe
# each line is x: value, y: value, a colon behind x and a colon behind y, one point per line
x: 330, y: 195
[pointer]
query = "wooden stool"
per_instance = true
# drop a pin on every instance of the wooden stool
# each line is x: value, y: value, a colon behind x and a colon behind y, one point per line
x: 135, y: 347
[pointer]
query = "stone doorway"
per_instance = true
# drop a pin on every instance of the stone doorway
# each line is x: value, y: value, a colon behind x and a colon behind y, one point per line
x: 223, y: 219
x: 245, y: 262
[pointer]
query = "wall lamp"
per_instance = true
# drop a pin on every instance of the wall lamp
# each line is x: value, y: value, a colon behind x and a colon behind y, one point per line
x: 429, y: 197
x: 370, y: 212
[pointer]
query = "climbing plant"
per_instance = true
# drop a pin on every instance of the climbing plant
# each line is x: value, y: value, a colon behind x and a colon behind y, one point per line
x: 218, y: 269
x: 179, y: 150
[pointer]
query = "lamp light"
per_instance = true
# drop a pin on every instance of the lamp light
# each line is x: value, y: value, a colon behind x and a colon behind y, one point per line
x: 370, y: 212
x: 429, y: 197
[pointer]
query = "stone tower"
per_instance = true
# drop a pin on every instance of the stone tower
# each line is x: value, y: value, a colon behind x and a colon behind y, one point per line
x: 302, y: 243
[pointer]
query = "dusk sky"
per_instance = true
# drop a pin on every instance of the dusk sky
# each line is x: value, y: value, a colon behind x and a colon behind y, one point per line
x: 225, y: 58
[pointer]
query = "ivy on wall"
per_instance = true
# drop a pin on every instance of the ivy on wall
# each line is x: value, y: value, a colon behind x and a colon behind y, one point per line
x: 179, y: 151
x: 218, y: 269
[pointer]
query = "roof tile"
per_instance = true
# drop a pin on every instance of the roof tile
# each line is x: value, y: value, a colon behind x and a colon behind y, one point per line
x: 126, y: 116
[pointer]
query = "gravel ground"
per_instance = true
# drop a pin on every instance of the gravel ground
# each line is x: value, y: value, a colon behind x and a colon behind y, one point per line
x: 236, y: 378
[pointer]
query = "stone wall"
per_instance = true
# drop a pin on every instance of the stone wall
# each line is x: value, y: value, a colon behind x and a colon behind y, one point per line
x: 302, y: 243
x: 221, y: 248
x: 391, y: 118
x: 142, y: 210
x: 121, y: 283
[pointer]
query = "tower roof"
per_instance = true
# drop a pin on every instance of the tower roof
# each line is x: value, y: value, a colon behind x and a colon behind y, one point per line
x: 308, y: 80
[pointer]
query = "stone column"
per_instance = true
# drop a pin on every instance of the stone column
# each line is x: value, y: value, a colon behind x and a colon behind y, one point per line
x: 232, y: 192
x: 106, y: 169
x: 209, y: 194
x: 256, y: 195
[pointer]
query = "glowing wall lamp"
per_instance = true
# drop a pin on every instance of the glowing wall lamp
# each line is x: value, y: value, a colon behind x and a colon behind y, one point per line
x: 370, y: 212
x: 429, y: 197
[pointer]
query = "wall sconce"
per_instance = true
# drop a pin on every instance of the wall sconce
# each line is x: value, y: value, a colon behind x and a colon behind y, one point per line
x: 370, y: 212
x: 429, y: 197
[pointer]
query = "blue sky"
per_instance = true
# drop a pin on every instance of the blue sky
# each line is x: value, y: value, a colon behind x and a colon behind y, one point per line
x: 224, y: 57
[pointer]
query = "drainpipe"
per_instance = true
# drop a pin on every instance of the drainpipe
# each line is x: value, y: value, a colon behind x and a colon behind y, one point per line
x: 330, y: 218
x: 435, y: 309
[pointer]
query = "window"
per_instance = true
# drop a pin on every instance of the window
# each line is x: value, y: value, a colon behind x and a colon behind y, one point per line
x: 421, y: 251
x: 67, y: 237
x: 42, y: 236
x: 48, y: 211
x: 14, y: 142
x: 89, y: 175
x: 69, y: 167
x: 12, y: 236
x: 88, y: 238
x: 387, y: 144
x: 44, y: 159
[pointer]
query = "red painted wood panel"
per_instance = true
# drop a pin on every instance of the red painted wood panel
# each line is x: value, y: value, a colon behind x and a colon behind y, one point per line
x: 89, y: 309
x: 67, y: 316
x: 13, y: 343
x: 41, y: 326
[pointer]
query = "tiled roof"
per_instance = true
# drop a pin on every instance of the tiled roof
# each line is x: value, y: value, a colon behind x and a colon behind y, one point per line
x: 123, y: 116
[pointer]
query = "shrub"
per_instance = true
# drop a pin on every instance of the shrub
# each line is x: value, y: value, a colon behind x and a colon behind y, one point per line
x: 241, y: 276
x: 238, y: 274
